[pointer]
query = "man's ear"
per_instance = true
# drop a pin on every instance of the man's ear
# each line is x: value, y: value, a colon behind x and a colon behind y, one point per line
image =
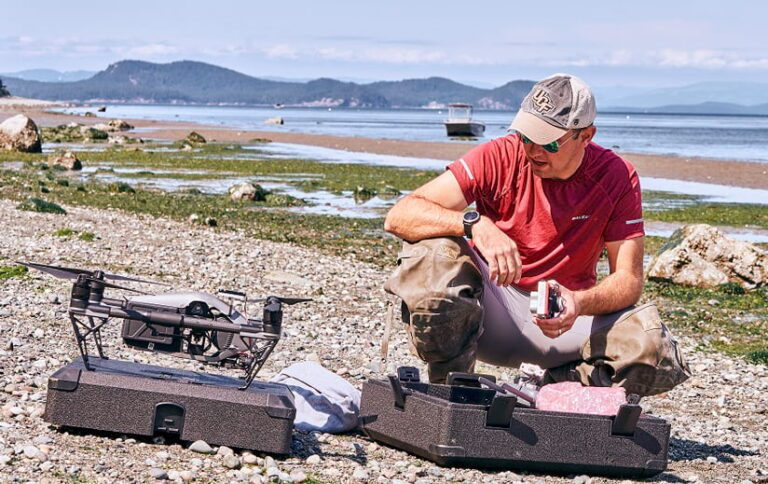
x: 587, y: 134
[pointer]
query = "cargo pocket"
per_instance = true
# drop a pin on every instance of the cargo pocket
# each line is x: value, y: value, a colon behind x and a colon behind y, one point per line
x: 441, y: 329
x: 637, y: 352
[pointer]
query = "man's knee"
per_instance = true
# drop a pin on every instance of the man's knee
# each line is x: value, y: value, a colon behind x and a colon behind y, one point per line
x: 637, y: 352
x: 441, y: 288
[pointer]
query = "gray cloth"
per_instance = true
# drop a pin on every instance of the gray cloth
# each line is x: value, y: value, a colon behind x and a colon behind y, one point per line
x: 324, y: 401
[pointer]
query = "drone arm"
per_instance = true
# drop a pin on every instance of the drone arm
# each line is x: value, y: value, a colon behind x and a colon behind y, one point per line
x: 163, y: 318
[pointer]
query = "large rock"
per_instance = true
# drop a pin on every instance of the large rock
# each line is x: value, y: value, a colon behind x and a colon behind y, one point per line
x: 20, y: 133
x: 701, y: 255
x: 247, y: 191
x: 195, y: 138
x: 67, y: 160
x: 113, y: 126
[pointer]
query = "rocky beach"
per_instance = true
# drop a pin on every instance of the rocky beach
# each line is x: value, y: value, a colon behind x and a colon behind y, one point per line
x: 718, y: 417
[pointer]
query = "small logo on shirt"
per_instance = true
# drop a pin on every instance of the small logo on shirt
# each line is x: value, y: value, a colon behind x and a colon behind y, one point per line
x: 635, y: 221
x: 580, y: 217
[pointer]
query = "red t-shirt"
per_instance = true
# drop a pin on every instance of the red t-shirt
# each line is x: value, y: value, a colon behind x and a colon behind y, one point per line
x: 560, y: 226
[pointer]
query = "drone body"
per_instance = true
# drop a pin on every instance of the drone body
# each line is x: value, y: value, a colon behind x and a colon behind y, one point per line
x: 191, y: 325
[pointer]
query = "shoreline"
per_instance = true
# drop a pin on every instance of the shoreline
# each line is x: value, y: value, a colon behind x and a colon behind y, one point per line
x: 744, y: 174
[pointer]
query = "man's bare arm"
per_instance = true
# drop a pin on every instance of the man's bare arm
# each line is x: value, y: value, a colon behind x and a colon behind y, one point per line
x: 436, y: 210
x: 623, y: 286
x: 432, y: 210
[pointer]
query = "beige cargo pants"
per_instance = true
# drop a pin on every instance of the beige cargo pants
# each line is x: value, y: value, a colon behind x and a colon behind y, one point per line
x: 455, y: 316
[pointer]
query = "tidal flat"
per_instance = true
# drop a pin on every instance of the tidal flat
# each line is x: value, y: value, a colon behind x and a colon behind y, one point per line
x: 722, y: 319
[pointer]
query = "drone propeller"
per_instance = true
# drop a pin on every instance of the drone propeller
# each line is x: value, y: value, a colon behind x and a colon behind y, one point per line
x: 72, y: 273
x: 293, y: 300
x: 285, y: 300
x: 114, y: 286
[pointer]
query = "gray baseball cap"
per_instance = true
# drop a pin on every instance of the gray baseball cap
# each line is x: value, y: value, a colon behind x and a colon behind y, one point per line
x: 555, y: 105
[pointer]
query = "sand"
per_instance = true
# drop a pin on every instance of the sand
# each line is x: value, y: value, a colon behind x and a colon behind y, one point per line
x: 733, y: 173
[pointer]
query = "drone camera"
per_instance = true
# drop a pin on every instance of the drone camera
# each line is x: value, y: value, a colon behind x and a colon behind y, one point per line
x: 141, y: 335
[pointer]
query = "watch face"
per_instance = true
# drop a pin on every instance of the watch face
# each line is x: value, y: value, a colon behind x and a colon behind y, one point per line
x: 471, y: 217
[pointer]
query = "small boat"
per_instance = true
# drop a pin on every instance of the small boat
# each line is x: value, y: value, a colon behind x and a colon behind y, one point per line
x: 460, y: 123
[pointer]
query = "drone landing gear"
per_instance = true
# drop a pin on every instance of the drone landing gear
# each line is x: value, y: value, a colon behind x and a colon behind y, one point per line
x: 83, y: 331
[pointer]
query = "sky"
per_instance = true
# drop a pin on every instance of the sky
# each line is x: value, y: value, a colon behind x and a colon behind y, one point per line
x: 484, y: 43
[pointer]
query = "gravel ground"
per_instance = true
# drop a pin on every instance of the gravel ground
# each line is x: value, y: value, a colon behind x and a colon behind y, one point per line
x: 719, y: 431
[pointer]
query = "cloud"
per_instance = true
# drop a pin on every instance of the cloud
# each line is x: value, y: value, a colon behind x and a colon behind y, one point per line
x: 76, y: 47
x: 281, y: 51
x: 149, y: 50
x: 676, y: 58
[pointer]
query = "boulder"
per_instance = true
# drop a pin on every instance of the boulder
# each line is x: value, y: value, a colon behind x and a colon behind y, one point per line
x: 113, y: 126
x: 117, y: 140
x: 247, y: 191
x: 67, y: 160
x: 275, y: 120
x: 20, y: 133
x: 119, y: 125
x: 90, y: 133
x: 195, y: 138
x: 701, y: 255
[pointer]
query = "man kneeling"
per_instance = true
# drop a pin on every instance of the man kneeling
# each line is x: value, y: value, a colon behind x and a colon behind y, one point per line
x: 548, y: 201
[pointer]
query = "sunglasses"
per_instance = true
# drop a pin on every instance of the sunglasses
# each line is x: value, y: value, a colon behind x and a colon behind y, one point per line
x: 552, y: 147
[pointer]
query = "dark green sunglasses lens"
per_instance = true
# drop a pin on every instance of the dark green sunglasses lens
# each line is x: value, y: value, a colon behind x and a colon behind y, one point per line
x: 552, y: 147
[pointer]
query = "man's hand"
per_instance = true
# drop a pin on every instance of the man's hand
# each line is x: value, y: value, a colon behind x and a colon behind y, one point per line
x: 554, y: 327
x: 504, y: 265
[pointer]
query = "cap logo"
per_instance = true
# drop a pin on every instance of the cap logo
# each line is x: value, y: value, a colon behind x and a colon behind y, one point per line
x: 542, y: 102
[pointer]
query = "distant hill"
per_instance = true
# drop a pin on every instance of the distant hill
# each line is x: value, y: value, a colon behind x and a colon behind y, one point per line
x: 701, y: 108
x: 189, y: 82
x: 49, y: 75
x: 747, y: 94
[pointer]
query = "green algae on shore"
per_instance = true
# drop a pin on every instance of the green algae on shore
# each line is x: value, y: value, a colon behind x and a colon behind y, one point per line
x: 721, y: 318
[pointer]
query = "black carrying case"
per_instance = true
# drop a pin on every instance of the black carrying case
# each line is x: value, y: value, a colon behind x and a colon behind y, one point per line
x: 475, y: 427
x: 138, y: 399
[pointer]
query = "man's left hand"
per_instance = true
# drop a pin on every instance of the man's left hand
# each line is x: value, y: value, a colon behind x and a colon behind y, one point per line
x: 554, y: 327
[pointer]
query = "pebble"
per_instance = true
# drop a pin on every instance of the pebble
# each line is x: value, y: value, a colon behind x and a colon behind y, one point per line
x: 297, y: 475
x: 313, y: 459
x: 159, y: 474
x: 224, y: 451
x: 360, y: 474
x: 187, y: 476
x: 201, y: 447
x: 231, y: 462
x: 250, y: 459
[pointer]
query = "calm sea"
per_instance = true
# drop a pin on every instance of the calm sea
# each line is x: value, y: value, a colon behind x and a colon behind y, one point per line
x: 743, y: 138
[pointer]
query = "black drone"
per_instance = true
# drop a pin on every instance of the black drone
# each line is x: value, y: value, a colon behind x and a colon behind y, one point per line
x: 191, y: 325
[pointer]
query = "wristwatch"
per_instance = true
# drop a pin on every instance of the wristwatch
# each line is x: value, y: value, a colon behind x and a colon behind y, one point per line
x: 470, y: 219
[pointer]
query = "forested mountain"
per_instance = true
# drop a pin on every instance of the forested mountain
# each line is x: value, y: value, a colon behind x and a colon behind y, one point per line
x: 191, y: 82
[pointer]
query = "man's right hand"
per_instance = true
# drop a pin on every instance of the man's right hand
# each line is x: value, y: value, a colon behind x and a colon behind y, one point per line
x: 499, y: 251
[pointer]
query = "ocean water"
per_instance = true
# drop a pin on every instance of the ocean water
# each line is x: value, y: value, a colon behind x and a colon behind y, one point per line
x: 743, y: 138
